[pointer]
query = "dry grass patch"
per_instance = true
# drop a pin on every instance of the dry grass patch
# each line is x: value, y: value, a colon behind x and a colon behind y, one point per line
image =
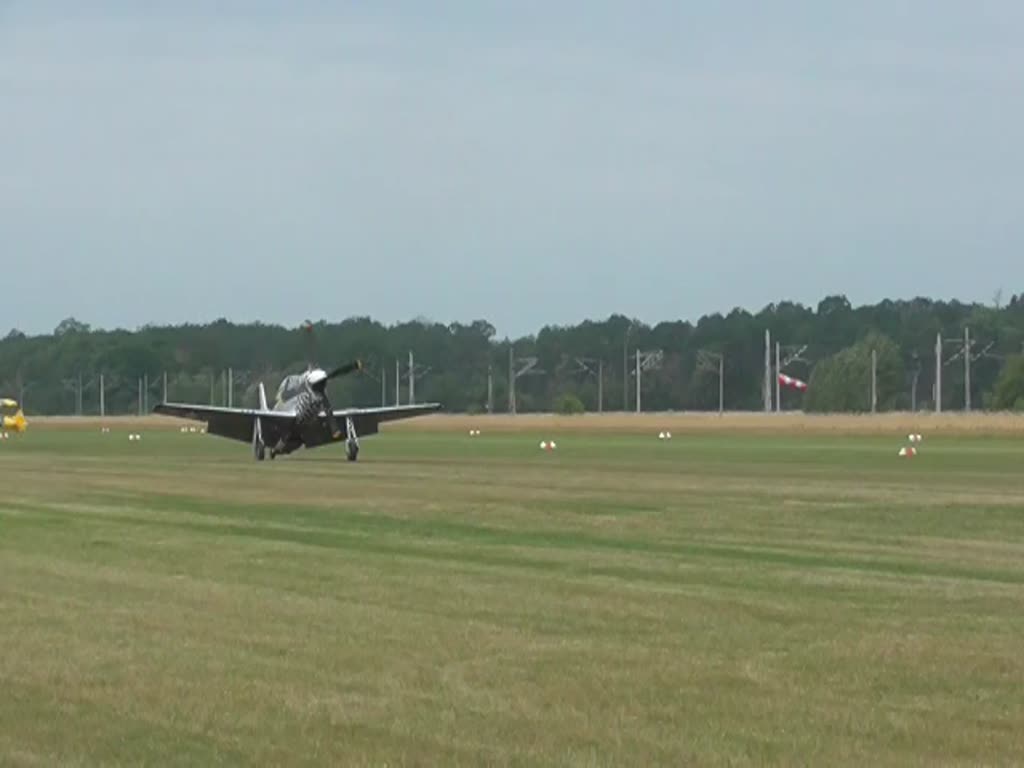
x: 681, y: 423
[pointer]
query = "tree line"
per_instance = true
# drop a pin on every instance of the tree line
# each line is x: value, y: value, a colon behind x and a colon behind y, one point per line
x: 834, y: 346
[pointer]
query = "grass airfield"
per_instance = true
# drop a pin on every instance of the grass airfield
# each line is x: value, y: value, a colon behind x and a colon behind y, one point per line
x: 744, y: 593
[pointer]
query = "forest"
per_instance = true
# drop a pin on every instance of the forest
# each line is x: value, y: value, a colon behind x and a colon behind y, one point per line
x: 591, y: 366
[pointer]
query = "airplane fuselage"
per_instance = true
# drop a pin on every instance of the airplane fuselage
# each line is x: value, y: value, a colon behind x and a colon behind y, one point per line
x: 296, y: 395
x: 304, y: 397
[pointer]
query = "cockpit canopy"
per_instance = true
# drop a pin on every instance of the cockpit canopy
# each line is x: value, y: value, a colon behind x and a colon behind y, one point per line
x: 291, y: 386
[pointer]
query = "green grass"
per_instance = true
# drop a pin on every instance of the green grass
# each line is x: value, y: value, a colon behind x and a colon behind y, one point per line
x: 448, y: 600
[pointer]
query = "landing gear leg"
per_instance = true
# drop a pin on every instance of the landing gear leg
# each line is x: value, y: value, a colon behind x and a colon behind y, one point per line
x: 259, y: 448
x: 279, y: 447
x: 351, y: 440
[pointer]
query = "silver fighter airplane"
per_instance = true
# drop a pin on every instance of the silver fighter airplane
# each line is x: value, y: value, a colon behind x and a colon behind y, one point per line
x: 302, y: 416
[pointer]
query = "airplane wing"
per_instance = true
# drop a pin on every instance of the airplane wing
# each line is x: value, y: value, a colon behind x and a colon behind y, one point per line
x: 235, y: 423
x: 384, y: 413
x: 366, y: 421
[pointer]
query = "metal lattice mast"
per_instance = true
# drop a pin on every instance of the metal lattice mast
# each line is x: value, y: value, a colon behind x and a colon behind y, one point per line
x: 874, y: 380
x: 585, y: 365
x: 967, y: 369
x: 645, y: 361
x: 528, y: 367
x: 714, y: 362
x: 785, y: 355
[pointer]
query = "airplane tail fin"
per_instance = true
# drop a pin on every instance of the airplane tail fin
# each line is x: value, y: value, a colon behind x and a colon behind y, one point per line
x: 263, y: 398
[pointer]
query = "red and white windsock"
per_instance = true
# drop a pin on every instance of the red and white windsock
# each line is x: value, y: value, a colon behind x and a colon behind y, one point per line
x: 789, y: 381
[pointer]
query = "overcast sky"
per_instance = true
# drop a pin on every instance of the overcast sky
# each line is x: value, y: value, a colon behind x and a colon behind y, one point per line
x: 527, y: 162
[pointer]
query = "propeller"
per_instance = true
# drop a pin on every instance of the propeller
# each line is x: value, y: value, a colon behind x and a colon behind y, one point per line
x: 341, y: 370
x: 321, y: 387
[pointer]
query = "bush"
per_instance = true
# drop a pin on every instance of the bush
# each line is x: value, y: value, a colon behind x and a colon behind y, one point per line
x: 568, y: 404
x: 842, y: 382
x: 1009, y: 389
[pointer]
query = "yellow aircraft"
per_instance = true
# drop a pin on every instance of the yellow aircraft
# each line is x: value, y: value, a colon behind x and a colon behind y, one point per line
x: 14, y: 421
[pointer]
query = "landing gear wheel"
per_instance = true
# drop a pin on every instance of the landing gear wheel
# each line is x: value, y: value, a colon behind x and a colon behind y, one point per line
x: 261, y: 452
x: 351, y: 451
